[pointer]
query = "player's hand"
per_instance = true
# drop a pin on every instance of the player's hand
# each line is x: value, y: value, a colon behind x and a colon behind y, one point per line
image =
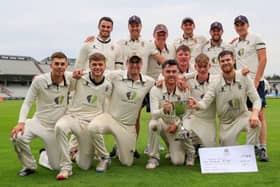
x: 256, y: 83
x: 182, y: 84
x: 171, y: 128
x: 254, y: 121
x: 159, y: 83
x: 18, y: 129
x: 245, y: 71
x: 193, y: 104
x: 77, y: 73
x: 90, y: 39
x: 167, y: 107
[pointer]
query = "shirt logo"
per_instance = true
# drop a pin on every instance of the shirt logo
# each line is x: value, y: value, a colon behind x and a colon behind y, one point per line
x: 214, y: 60
x: 234, y: 104
x: 241, y: 52
x: 92, y: 99
x: 131, y: 95
x: 59, y: 100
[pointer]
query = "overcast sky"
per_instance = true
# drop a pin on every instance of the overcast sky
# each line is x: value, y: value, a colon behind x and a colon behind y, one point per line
x: 37, y: 28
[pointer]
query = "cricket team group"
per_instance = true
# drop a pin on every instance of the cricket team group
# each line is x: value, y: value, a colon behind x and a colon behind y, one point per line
x: 184, y: 86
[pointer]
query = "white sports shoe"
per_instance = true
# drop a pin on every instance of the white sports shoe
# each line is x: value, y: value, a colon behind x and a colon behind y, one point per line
x: 103, y: 165
x: 152, y: 163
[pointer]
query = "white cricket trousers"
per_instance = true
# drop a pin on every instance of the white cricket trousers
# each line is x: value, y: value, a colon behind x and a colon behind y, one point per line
x: 158, y: 128
x: 125, y: 137
x: 33, y: 128
x: 65, y: 126
x: 202, y: 129
x: 229, y: 133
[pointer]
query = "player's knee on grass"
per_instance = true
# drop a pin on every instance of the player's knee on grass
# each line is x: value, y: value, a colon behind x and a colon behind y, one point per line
x: 83, y: 165
x: 128, y: 161
x: 177, y: 160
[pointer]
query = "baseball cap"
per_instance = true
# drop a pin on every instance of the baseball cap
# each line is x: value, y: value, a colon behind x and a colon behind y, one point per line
x: 217, y: 25
x: 160, y: 28
x: 187, y: 19
x: 134, y: 19
x: 242, y: 19
x: 135, y: 59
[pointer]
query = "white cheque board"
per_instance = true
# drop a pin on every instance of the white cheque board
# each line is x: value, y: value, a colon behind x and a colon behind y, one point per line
x: 230, y: 159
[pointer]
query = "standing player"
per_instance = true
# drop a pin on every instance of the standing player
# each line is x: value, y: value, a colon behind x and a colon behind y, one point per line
x: 164, y: 120
x: 194, y: 42
x: 229, y: 92
x: 88, y: 101
x: 183, y: 57
x: 129, y: 90
x: 136, y: 45
x: 102, y: 44
x: 214, y: 46
x: 50, y: 91
x: 165, y: 49
x: 250, y: 51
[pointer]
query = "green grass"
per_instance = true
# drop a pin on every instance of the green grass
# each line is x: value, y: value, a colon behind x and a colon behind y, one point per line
x: 137, y: 175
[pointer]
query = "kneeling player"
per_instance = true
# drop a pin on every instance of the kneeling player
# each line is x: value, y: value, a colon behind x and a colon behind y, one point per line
x: 50, y: 91
x: 88, y: 101
x: 129, y: 90
x: 164, y: 120
x: 229, y: 92
x: 201, y: 123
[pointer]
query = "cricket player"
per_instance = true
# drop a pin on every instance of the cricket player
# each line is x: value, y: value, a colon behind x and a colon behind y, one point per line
x: 165, y: 49
x: 102, y: 44
x: 136, y: 45
x: 250, y: 51
x: 229, y: 92
x: 214, y: 46
x: 50, y: 92
x: 88, y: 101
x: 201, y: 123
x: 194, y: 42
x: 165, y: 119
x: 145, y: 49
x: 183, y: 56
x: 129, y: 90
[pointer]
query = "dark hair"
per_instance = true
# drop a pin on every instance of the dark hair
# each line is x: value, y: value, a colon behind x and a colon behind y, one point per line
x: 170, y: 62
x: 97, y: 57
x: 135, y: 59
x: 183, y: 48
x: 58, y: 55
x: 201, y: 59
x: 105, y: 19
x: 225, y: 52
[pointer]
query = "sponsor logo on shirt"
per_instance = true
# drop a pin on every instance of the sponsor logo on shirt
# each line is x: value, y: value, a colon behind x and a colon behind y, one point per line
x: 214, y: 60
x: 59, y: 100
x: 92, y: 99
x: 131, y: 95
x: 241, y: 52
